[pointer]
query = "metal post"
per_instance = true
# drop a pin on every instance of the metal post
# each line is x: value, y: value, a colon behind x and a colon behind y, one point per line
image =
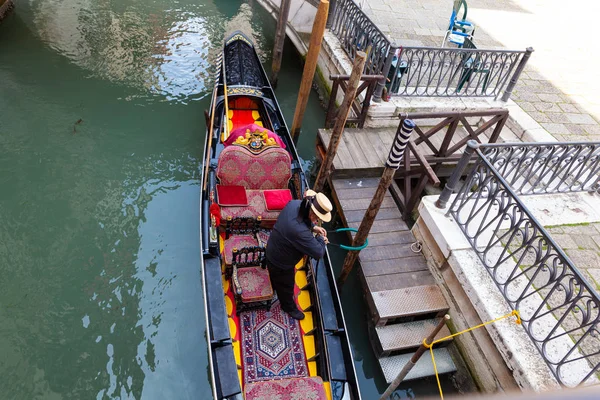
x: 391, y: 165
x: 411, y: 363
x: 515, y: 77
x: 450, y: 185
x: 340, y: 122
x: 331, y: 16
x: 284, y: 11
x: 386, y: 69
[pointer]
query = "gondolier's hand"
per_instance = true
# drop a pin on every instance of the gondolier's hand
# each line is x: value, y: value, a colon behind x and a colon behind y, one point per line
x: 320, y: 231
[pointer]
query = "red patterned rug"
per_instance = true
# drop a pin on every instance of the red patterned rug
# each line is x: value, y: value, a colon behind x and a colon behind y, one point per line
x: 271, y: 345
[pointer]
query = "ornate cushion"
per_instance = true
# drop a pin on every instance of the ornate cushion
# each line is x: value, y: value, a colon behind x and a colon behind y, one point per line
x: 237, y: 241
x: 286, y: 389
x: 271, y: 169
x: 255, y: 284
x: 256, y: 208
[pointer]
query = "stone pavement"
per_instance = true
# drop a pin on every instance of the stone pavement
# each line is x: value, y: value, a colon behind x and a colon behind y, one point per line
x: 582, y: 244
x: 559, y: 88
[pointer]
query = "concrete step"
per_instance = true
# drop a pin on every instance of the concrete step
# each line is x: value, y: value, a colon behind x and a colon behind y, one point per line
x: 406, y: 336
x: 391, y: 366
x: 408, y: 302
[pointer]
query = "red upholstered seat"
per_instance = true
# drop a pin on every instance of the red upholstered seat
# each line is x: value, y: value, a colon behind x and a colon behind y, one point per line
x: 237, y: 242
x: 286, y: 389
x: 256, y: 208
x: 271, y: 169
x: 255, y: 284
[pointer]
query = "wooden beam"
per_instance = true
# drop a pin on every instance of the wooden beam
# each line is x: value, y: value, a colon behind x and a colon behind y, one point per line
x: 284, y: 11
x: 310, y: 66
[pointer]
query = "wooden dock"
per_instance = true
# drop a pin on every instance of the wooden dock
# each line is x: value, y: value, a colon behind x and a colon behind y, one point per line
x: 403, y: 300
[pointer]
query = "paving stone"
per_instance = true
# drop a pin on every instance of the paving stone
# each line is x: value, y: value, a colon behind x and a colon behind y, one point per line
x: 592, y: 129
x: 580, y: 118
x: 554, y: 230
x: 528, y: 95
x: 555, y: 128
x: 595, y: 273
x: 558, y: 117
x: 576, y: 129
x: 566, y: 107
x: 584, y: 258
x: 550, y: 98
x: 564, y: 241
x: 539, y: 117
x: 584, y: 242
x: 547, y: 107
x: 587, y: 229
x: 596, y: 239
x: 525, y: 105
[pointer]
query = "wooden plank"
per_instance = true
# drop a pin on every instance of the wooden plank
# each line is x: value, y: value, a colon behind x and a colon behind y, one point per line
x: 360, y: 160
x: 387, y: 137
x: 363, y: 204
x: 357, y: 193
x: 386, y: 252
x: 387, y: 225
x: 384, y: 213
x: 382, y: 150
x: 365, y: 141
x: 341, y: 184
x: 393, y: 266
x: 342, y: 158
x: 399, y: 281
x: 390, y: 238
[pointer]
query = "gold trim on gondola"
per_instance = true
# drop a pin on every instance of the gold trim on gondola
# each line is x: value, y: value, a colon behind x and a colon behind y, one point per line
x: 239, y: 37
x: 256, y: 141
x: 244, y: 90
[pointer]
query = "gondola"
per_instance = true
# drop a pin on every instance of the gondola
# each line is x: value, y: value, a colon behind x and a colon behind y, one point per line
x: 256, y: 351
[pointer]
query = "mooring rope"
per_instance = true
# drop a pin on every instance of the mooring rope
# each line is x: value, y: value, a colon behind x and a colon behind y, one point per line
x: 430, y: 346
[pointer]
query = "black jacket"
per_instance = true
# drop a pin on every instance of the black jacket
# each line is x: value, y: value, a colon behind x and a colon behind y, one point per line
x: 292, y: 238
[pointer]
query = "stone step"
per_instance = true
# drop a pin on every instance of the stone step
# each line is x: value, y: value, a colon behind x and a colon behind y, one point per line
x: 406, y: 336
x: 408, y: 302
x: 391, y: 366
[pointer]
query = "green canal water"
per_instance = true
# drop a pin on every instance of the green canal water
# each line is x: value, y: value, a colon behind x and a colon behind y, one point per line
x: 101, y: 135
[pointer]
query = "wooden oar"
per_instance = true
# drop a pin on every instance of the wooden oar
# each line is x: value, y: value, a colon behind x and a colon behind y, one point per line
x: 212, y: 120
x: 226, y: 130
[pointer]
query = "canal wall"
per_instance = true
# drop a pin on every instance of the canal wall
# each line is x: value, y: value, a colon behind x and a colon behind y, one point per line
x: 5, y: 8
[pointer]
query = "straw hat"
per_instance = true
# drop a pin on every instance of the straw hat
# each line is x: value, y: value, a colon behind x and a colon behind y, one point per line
x: 320, y: 205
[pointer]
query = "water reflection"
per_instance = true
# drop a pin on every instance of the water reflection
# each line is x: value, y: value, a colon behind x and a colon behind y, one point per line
x: 141, y: 44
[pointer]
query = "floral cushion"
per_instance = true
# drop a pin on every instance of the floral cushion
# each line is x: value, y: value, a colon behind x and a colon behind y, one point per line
x: 255, y: 284
x: 238, y: 242
x: 256, y: 208
x: 286, y: 389
x: 271, y: 169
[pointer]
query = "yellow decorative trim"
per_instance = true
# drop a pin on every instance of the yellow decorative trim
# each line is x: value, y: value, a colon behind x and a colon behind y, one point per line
x: 238, y: 37
x: 244, y: 90
x: 256, y: 141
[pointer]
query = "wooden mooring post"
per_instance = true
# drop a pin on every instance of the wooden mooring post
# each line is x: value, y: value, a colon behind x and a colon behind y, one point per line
x: 314, y: 47
x: 413, y: 360
x: 340, y: 122
x: 391, y: 166
x: 284, y: 11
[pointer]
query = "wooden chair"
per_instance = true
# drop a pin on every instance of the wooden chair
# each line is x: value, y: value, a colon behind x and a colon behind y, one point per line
x: 250, y: 279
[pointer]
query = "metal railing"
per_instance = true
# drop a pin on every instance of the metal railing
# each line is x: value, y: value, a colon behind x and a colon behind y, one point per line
x: 357, y: 32
x: 428, y: 71
x: 425, y: 71
x: 559, y: 308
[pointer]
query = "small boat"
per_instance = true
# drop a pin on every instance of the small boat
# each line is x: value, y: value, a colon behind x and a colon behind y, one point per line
x: 252, y: 170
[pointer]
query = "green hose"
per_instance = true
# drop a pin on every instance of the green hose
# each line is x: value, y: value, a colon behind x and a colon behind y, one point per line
x: 351, y: 248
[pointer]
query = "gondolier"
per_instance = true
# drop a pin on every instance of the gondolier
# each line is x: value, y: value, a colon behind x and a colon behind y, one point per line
x: 295, y: 235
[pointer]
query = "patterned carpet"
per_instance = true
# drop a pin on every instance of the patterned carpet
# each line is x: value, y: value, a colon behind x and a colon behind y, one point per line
x: 271, y: 345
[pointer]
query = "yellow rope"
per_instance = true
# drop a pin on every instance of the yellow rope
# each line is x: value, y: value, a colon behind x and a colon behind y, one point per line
x: 514, y: 313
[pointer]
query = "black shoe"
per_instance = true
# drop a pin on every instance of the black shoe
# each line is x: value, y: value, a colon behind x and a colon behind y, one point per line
x: 296, y: 314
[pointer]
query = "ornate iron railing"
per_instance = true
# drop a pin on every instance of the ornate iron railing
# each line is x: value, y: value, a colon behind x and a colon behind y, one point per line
x: 428, y: 71
x: 542, y: 168
x: 357, y: 32
x: 559, y: 308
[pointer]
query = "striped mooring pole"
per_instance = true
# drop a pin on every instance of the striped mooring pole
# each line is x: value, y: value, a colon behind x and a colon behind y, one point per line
x: 392, y: 164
